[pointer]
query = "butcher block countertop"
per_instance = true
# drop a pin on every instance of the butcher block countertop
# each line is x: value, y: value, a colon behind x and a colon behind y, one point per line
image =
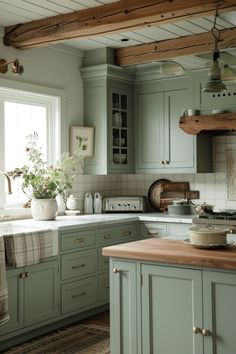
x: 174, y: 251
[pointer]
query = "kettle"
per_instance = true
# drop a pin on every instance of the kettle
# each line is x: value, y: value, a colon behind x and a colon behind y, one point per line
x: 88, y: 203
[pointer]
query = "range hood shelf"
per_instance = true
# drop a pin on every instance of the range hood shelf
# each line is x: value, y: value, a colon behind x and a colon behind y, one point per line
x: 208, y: 123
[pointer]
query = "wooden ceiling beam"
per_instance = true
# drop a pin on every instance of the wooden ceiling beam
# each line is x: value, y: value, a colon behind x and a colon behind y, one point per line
x: 119, y: 16
x: 173, y: 48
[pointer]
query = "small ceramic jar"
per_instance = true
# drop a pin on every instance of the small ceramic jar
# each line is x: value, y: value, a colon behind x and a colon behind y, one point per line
x: 72, y: 203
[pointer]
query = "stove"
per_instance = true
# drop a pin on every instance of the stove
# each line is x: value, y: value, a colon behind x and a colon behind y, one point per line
x: 222, y: 217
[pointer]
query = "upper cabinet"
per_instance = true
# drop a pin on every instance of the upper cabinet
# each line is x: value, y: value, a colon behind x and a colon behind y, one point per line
x: 161, y: 146
x: 108, y: 106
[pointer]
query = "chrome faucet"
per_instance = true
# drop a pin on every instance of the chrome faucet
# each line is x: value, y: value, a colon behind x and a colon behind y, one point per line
x: 8, y: 181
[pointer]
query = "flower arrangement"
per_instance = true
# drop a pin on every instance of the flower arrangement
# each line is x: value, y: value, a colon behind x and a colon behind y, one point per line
x: 40, y: 181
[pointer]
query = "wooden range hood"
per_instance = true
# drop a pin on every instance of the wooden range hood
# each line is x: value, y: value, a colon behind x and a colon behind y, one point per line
x: 208, y: 123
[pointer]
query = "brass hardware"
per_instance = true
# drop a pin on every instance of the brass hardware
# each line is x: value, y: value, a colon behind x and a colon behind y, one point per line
x: 206, y: 332
x: 78, y: 295
x: 167, y: 162
x: 196, y: 330
x: 107, y: 236
x: 162, y: 162
x: 79, y: 240
x: 79, y: 266
x: 22, y: 275
x: 17, y: 68
x: 115, y: 270
x: 126, y: 233
x: 106, y: 286
x: 152, y: 233
x: 27, y: 274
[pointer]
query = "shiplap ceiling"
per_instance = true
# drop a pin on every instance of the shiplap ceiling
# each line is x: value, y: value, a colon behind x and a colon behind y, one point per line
x: 20, y: 11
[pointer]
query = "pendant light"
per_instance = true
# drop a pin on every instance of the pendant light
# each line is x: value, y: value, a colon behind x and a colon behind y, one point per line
x: 214, y: 83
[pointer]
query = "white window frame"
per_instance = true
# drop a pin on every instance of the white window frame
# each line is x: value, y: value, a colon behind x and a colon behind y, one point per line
x: 54, y: 100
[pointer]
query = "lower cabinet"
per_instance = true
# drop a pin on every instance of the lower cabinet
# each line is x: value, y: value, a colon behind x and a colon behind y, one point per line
x: 33, y: 295
x: 159, y: 309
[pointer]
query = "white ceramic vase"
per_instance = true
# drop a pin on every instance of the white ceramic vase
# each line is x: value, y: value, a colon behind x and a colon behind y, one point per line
x: 44, y: 209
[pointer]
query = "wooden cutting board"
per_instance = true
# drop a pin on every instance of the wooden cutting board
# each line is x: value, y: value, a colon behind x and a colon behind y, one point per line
x: 162, y: 193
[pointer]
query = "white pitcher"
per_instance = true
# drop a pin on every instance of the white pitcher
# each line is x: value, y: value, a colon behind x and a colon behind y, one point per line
x: 97, y: 203
x: 88, y: 203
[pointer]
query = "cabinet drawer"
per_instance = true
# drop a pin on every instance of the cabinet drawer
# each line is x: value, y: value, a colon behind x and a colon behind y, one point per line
x: 179, y: 230
x: 77, y: 295
x: 107, y: 236
x: 103, y: 288
x: 103, y: 261
x: 153, y: 229
x: 78, y: 263
x: 77, y: 239
x: 127, y: 233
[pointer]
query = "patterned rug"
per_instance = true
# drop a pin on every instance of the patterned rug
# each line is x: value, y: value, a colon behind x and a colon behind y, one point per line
x: 74, y: 339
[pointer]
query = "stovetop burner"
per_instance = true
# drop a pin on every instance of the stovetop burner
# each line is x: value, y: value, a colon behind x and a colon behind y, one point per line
x: 219, y: 215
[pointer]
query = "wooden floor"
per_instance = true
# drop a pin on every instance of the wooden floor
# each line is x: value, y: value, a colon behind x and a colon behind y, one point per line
x: 100, y: 319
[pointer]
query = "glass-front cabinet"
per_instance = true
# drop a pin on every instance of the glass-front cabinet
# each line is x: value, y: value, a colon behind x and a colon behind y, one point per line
x: 108, y: 107
x: 120, y: 126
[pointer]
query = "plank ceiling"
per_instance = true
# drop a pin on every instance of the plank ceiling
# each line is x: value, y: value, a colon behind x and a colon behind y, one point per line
x: 20, y: 11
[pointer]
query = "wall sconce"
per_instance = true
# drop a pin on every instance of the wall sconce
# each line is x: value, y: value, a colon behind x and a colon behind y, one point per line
x: 214, y: 83
x: 16, y: 68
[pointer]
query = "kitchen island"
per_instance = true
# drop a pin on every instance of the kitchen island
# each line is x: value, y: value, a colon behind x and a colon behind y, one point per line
x: 169, y: 297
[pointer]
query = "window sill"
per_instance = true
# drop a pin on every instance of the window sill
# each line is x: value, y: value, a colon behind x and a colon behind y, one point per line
x: 14, y: 214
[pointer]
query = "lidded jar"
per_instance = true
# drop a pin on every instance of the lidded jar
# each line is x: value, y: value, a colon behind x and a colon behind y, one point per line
x: 72, y: 203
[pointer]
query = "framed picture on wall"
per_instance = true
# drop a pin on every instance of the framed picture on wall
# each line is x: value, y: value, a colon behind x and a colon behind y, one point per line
x: 82, y: 137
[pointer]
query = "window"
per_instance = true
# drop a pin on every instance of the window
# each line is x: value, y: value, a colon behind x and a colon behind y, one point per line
x: 21, y: 114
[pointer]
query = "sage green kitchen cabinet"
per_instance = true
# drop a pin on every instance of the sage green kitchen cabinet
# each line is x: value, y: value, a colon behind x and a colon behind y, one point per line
x: 123, y: 315
x: 171, y: 307
x: 108, y: 107
x: 168, y: 309
x: 33, y: 296
x: 160, y: 144
x: 15, y: 301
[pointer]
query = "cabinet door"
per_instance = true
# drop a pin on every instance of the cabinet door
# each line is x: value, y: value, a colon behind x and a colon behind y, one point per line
x: 41, y: 292
x: 123, y: 307
x: 171, y: 307
x: 219, y: 294
x: 150, y: 125
x: 179, y: 146
x: 15, y: 301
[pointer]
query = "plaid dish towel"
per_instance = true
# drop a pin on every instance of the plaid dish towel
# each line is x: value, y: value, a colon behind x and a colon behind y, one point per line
x: 4, y: 315
x: 30, y: 248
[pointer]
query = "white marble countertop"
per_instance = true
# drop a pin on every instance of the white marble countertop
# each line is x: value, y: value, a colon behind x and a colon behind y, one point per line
x: 69, y: 222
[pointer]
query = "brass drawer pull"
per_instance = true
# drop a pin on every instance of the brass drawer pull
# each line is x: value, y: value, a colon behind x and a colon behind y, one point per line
x: 115, y: 270
x: 79, y: 240
x: 78, y: 295
x: 22, y: 275
x: 106, y: 286
x: 197, y: 330
x: 126, y: 233
x: 206, y: 332
x: 27, y: 274
x: 152, y: 233
x: 107, y: 236
x: 78, y: 266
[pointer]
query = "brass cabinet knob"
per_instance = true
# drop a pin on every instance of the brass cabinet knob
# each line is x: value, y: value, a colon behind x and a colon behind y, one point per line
x: 206, y: 332
x: 27, y: 274
x: 115, y: 270
x: 196, y: 330
x: 167, y: 162
x: 162, y: 162
x: 22, y: 275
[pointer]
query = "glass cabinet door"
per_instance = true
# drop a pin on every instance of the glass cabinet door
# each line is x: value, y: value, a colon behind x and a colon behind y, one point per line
x: 119, y: 128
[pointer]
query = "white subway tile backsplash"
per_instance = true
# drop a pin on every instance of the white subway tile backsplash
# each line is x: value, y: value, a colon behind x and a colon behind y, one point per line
x: 212, y: 186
